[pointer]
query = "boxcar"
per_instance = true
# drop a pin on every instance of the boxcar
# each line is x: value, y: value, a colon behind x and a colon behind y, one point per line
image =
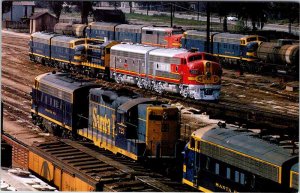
x: 230, y: 160
x: 60, y: 102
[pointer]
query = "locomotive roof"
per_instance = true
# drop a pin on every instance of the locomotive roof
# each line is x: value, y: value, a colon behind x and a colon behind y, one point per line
x: 130, y: 26
x: 198, y: 33
x: 229, y: 36
x: 168, y: 52
x: 103, y: 24
x: 154, y: 28
x: 244, y: 142
x: 135, y: 48
x: 63, y: 81
x: 43, y: 35
x: 64, y: 38
x: 128, y: 105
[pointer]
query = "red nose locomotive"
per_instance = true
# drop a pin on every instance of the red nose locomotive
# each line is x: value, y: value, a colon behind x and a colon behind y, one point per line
x: 166, y: 70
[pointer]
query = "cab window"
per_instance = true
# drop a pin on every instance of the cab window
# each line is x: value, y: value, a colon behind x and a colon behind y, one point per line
x: 194, y: 58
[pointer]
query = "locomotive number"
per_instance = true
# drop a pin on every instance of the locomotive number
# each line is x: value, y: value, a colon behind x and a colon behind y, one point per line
x: 101, y: 123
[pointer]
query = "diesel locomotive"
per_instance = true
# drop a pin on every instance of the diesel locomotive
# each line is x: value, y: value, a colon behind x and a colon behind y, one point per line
x: 194, y: 75
x: 226, y: 159
x: 118, y: 120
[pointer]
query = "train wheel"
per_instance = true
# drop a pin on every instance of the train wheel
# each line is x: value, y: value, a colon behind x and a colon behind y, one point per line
x: 184, y: 92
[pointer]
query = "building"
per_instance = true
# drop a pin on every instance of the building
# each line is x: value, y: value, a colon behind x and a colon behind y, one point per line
x: 19, y: 10
x: 42, y: 21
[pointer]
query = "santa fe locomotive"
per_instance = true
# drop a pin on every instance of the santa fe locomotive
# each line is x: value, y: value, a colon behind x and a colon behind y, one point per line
x: 117, y: 120
x: 193, y: 75
x: 226, y: 159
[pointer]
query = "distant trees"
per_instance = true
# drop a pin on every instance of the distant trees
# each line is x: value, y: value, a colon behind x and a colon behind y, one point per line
x: 6, y: 6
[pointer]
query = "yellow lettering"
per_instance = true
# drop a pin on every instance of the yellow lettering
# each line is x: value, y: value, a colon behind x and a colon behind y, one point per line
x: 94, y: 119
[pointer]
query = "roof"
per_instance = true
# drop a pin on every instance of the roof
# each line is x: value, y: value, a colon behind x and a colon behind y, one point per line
x: 244, y: 142
x: 154, y: 28
x: 198, y: 33
x: 42, y: 35
x: 171, y: 52
x: 64, y: 38
x: 63, y: 81
x: 129, y: 26
x: 229, y: 36
x: 39, y: 14
x: 32, y: 3
x: 128, y: 105
x: 135, y: 48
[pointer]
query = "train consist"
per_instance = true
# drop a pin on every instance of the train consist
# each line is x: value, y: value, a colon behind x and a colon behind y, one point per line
x: 233, y: 50
x: 226, y: 159
x: 250, y: 52
x: 217, y: 158
x: 189, y: 74
x: 161, y: 36
x: 120, y: 121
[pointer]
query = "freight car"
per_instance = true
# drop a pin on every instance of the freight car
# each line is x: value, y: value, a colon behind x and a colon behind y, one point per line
x: 173, y: 70
x: 228, y: 159
x: 119, y: 121
x: 161, y: 36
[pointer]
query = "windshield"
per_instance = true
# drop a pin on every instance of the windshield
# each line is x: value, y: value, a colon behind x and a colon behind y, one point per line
x: 195, y: 57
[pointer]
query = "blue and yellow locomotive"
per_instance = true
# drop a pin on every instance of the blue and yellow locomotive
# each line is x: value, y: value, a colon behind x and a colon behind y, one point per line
x: 119, y: 121
x: 56, y: 50
x: 228, y: 159
x: 229, y: 48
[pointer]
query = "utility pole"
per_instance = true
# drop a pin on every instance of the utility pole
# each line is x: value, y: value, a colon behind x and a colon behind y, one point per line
x: 198, y: 12
x: 171, y: 15
x: 147, y: 7
x: 207, y: 27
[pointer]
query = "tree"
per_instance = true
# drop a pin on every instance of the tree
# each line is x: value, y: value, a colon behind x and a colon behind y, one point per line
x: 85, y: 7
x: 6, y: 6
x: 56, y: 7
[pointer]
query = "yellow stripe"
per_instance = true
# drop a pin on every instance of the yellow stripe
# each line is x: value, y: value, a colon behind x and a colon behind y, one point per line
x: 102, y: 105
x: 52, y: 120
x: 107, y: 146
x: 225, y: 56
x: 184, y: 168
x: 291, y: 177
x: 237, y: 152
x: 93, y: 65
x: 39, y: 55
x: 66, y: 61
x: 185, y: 181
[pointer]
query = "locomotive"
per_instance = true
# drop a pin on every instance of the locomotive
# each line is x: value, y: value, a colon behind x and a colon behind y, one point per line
x: 227, y: 159
x: 192, y: 75
x: 118, y: 120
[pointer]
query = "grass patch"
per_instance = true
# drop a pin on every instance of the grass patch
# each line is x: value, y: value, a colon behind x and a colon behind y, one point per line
x: 163, y: 19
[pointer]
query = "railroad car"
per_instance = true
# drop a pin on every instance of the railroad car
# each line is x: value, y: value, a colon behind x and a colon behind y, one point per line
x: 130, y: 125
x: 166, y: 70
x: 101, y: 30
x: 120, y: 121
x: 278, y: 54
x: 228, y: 159
x: 57, y: 102
x: 129, y: 33
x: 56, y: 50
